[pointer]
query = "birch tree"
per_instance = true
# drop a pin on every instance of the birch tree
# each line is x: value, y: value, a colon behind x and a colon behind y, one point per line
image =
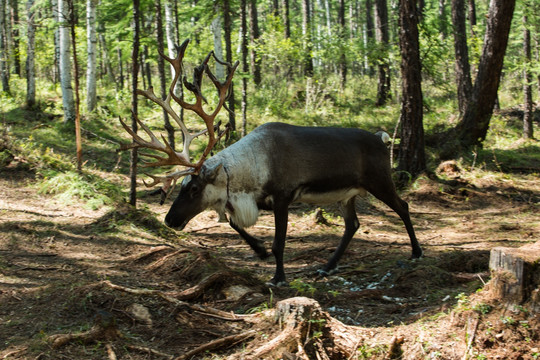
x: 68, y: 102
x: 30, y: 56
x: 91, y: 95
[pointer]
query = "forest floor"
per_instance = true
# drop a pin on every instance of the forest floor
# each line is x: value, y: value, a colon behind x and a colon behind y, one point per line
x: 115, y: 283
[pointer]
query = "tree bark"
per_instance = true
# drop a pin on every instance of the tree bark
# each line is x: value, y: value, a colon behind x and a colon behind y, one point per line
x: 161, y: 70
x: 473, y: 127
x: 254, y: 38
x: 227, y: 26
x: 343, y: 37
x: 4, y: 70
x: 381, y: 32
x: 78, y: 139
x: 245, y: 65
x: 462, y: 67
x: 65, y: 63
x: 30, y: 56
x: 286, y: 18
x: 527, y: 80
x: 91, y: 89
x: 411, y: 158
x: 134, y: 101
x: 472, y: 15
x: 306, y: 32
x: 14, y: 5
x: 215, y: 26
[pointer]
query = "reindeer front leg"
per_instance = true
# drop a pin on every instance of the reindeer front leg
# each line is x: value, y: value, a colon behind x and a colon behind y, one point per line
x: 281, y: 217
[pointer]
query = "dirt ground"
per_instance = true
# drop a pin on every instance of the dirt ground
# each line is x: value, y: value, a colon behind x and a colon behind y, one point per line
x: 115, y: 283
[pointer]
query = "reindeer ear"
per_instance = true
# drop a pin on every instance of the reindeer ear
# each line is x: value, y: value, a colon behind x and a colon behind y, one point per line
x: 210, y: 174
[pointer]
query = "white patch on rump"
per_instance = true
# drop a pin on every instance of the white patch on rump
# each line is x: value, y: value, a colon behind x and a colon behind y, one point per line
x: 245, y: 211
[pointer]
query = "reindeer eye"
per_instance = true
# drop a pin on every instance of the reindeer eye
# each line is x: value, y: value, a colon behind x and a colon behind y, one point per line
x: 194, y: 190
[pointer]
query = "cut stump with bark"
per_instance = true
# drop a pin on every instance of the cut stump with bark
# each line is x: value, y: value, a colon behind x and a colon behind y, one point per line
x: 516, y: 274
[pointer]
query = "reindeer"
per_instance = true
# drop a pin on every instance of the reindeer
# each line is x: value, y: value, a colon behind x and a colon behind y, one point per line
x: 271, y: 168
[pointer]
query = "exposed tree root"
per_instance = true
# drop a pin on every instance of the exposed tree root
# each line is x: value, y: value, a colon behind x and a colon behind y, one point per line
x: 170, y: 297
x: 104, y: 329
x: 149, y: 351
x: 224, y: 342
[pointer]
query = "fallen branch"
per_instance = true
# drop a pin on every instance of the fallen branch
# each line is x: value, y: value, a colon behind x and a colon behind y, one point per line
x: 219, y: 343
x: 149, y: 351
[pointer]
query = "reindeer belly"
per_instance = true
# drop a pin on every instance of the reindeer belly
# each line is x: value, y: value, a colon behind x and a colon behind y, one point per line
x: 328, y: 197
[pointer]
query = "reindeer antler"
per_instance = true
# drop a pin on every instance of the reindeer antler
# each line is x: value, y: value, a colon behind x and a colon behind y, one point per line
x: 174, y: 157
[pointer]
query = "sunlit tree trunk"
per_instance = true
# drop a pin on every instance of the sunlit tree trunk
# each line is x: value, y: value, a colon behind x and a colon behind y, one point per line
x: 30, y: 56
x: 161, y: 70
x: 463, y: 71
x: 215, y: 26
x: 474, y: 125
x: 411, y: 159
x: 91, y: 89
x: 285, y: 15
x: 68, y: 102
x: 172, y: 41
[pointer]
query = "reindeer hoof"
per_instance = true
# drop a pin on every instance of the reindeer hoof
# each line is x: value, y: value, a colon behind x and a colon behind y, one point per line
x: 273, y: 284
x: 325, y: 273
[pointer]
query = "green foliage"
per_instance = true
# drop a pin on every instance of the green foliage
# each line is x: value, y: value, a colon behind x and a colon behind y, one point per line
x: 71, y: 186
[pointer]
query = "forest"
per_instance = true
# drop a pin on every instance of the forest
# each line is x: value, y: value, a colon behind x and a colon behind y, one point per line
x: 88, y: 268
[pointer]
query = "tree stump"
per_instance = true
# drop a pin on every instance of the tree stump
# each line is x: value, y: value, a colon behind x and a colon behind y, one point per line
x: 516, y: 274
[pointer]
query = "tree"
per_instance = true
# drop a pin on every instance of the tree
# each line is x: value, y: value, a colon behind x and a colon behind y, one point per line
x: 527, y: 80
x: 14, y: 5
x: 68, y: 102
x: 473, y: 127
x: 306, y: 32
x: 244, y: 62
x: 134, y: 101
x: 381, y: 32
x: 227, y: 26
x: 254, y: 38
x: 78, y: 139
x: 411, y: 158
x: 4, y: 71
x: 462, y: 67
x: 91, y: 92
x: 343, y: 37
x: 30, y: 56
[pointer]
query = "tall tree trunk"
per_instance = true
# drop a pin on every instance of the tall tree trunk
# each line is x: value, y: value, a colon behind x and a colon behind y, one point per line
x: 473, y: 127
x: 30, y: 56
x: 161, y: 70
x: 120, y: 67
x: 146, y: 69
x: 65, y: 63
x: 306, y: 32
x: 172, y: 42
x: 134, y: 101
x: 463, y: 70
x: 343, y: 37
x: 245, y: 65
x: 254, y: 38
x: 442, y: 19
x: 215, y: 26
x: 78, y: 139
x: 381, y: 32
x: 227, y: 26
x: 411, y: 157
x: 91, y: 88
x: 368, y: 34
x: 4, y: 70
x: 14, y: 5
x: 527, y: 80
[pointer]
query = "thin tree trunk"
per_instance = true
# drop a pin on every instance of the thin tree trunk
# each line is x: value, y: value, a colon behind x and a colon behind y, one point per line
x: 442, y: 19
x: 227, y: 26
x: 245, y: 65
x: 14, y: 5
x: 215, y: 26
x: 474, y: 125
x: 254, y: 38
x: 172, y: 41
x: 381, y: 32
x: 65, y: 63
x: 472, y: 15
x: 161, y: 70
x: 30, y: 56
x: 134, y: 101
x: 463, y: 70
x: 91, y: 34
x: 411, y: 159
x: 4, y: 71
x: 78, y: 139
x: 120, y: 67
x: 527, y: 80
x: 306, y: 32
x: 146, y: 67
x: 343, y: 36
